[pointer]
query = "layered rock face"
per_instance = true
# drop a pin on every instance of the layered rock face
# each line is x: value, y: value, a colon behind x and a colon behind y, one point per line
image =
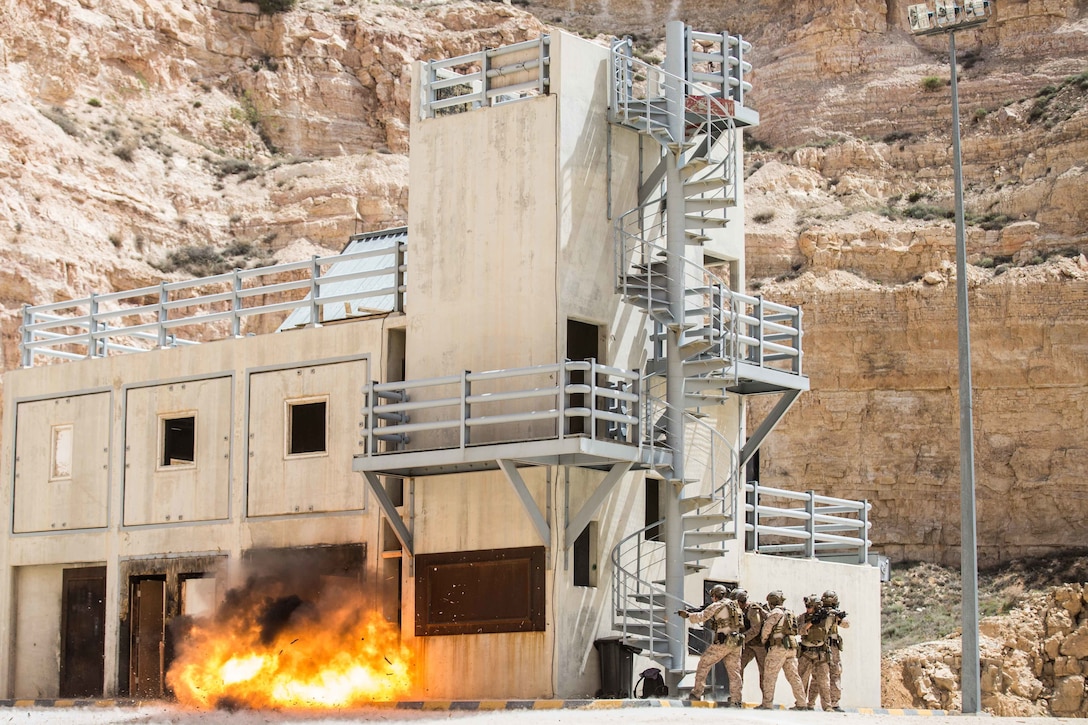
x: 130, y: 129
x: 1034, y: 661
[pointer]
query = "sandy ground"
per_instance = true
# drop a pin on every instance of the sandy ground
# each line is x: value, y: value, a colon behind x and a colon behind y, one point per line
x: 165, y: 714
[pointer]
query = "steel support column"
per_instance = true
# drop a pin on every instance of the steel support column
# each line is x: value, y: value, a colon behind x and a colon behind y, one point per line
x: 674, y: 381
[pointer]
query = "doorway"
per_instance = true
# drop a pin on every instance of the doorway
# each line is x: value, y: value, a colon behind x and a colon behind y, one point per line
x: 83, y: 627
x: 583, y: 343
x: 147, y: 612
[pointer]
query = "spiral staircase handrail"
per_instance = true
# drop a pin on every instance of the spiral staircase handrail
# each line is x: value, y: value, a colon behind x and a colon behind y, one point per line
x: 626, y: 69
x: 635, y: 555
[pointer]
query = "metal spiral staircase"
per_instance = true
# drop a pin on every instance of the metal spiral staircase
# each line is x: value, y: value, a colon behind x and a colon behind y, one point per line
x: 690, y: 110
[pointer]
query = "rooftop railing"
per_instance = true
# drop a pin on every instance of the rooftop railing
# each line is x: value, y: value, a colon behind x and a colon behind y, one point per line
x: 174, y: 314
x: 486, y: 78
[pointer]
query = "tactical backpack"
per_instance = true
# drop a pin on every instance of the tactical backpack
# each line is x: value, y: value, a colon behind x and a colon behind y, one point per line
x: 788, y: 623
x: 653, y: 684
x: 754, y: 617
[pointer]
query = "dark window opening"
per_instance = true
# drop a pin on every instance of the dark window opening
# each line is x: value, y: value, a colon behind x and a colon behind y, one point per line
x: 585, y: 557
x: 478, y: 592
x: 179, y: 441
x: 583, y: 343
x: 653, y: 510
x: 307, y: 428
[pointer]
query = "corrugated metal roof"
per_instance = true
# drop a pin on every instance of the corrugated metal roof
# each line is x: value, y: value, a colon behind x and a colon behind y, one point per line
x: 367, y: 303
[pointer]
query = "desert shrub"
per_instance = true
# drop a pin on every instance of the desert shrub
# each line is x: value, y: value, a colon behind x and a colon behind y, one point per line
x: 59, y: 117
x: 763, y: 217
x: 932, y: 83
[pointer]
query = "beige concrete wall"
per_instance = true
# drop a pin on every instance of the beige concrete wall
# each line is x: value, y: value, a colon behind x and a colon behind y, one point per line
x: 858, y: 588
x: 284, y: 483
x: 75, y: 496
x: 482, y: 221
x: 197, y: 491
x: 467, y: 513
x: 586, y: 259
x: 217, y: 496
x: 36, y: 647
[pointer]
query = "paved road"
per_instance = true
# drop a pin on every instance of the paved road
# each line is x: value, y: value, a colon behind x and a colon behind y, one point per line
x: 636, y: 713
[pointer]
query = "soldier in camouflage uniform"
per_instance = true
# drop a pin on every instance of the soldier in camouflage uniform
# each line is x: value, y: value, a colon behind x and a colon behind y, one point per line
x: 836, y: 620
x: 813, y: 664
x: 778, y: 637
x: 755, y: 613
x: 724, y: 619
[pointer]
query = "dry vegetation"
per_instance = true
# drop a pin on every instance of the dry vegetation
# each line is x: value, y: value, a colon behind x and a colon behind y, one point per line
x: 922, y: 601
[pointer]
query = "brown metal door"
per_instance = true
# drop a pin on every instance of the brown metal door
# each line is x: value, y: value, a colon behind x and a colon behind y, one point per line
x: 83, y: 627
x: 148, y: 617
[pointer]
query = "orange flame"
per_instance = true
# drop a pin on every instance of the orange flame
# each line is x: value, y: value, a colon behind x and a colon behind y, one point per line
x: 320, y: 656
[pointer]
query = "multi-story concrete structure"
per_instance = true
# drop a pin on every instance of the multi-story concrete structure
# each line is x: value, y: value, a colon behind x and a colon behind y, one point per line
x: 517, y: 426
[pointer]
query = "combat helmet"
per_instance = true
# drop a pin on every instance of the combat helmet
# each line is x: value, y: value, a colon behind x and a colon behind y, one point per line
x: 776, y: 597
x: 718, y: 591
x: 740, y: 595
x: 830, y: 598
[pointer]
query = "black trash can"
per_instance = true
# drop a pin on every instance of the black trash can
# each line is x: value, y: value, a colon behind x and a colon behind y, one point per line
x: 617, y: 668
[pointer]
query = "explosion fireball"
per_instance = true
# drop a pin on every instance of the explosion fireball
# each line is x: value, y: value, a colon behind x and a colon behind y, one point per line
x: 274, y: 650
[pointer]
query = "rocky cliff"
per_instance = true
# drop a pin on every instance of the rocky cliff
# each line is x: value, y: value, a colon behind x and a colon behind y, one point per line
x: 1033, y: 662
x: 141, y: 140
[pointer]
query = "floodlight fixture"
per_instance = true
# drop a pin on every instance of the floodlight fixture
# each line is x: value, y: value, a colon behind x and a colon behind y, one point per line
x: 944, y: 16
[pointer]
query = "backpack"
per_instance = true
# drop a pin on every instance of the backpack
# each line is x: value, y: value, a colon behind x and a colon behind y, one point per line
x: 754, y: 617
x: 653, y: 684
x: 788, y: 624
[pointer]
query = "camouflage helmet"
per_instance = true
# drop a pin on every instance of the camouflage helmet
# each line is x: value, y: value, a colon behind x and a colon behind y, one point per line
x: 718, y: 591
x: 776, y: 598
x: 811, y: 600
x: 830, y: 598
x: 740, y: 595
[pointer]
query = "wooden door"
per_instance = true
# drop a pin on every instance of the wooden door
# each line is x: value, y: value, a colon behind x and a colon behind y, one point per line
x: 83, y: 628
x: 147, y: 605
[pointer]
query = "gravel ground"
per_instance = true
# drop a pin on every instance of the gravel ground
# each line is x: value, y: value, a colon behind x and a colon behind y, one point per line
x: 165, y: 714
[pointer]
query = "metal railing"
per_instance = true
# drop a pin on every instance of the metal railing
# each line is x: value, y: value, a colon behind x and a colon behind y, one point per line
x: 638, y: 561
x: 821, y: 527
x: 544, y: 402
x: 174, y: 314
x: 739, y: 327
x: 722, y: 64
x: 486, y: 78
x: 638, y: 91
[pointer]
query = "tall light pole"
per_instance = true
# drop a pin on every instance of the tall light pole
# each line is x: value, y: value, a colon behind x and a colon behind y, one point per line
x: 948, y: 16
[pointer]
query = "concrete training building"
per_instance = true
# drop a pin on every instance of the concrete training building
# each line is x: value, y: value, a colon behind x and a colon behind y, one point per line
x: 516, y: 427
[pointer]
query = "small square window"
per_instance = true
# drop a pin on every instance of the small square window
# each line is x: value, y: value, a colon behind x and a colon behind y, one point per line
x: 178, y: 441
x: 62, y: 453
x: 306, y: 425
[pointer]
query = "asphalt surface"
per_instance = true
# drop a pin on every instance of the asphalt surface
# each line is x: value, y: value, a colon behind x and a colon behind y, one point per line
x: 594, y: 713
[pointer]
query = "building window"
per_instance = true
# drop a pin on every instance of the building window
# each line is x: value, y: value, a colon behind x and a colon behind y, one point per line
x: 479, y: 592
x: 585, y: 557
x: 178, y: 441
x: 62, y: 453
x: 307, y: 421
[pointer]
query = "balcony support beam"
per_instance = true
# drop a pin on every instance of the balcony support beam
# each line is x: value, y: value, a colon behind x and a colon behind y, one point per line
x: 539, y: 522
x: 580, y: 520
x: 390, y: 512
